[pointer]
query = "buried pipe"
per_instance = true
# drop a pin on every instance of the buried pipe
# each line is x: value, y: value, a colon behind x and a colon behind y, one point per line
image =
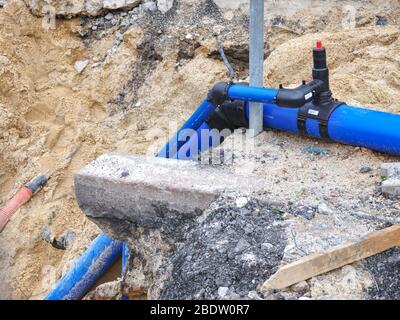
x: 308, y: 110
x: 97, y: 259
x: 104, y: 251
x: 205, y: 110
x: 375, y: 130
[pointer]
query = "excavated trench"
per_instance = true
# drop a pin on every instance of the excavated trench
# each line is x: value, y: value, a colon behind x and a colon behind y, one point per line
x: 158, y: 67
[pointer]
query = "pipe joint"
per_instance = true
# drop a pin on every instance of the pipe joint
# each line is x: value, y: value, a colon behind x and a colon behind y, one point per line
x: 230, y: 115
x: 298, y: 97
x: 219, y: 93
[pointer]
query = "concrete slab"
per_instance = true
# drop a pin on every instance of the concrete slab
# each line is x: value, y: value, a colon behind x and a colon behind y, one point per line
x: 154, y: 193
x: 391, y: 186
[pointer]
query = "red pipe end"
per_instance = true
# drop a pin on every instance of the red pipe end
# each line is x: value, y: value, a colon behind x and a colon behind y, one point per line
x: 319, y: 44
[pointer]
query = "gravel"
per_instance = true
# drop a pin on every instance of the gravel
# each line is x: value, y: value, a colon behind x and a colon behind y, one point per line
x: 385, y: 270
x: 220, y: 260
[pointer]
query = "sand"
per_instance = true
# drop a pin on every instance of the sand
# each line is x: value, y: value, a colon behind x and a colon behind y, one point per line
x: 48, y: 110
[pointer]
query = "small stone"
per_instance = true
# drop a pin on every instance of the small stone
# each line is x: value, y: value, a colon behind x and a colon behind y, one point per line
x: 301, y: 287
x: 64, y: 241
x: 241, y: 202
x: 253, y: 295
x: 109, y: 16
x: 365, y: 169
x: 83, y: 33
x: 305, y: 212
x: 189, y: 36
x: 165, y: 5
x: 81, y: 65
x: 391, y: 187
x: 395, y: 259
x: 381, y: 21
x: 242, y: 245
x: 304, y: 299
x: 45, y: 233
x: 149, y: 6
x: 267, y: 246
x: 223, y: 292
x: 323, y: 208
x: 299, y: 165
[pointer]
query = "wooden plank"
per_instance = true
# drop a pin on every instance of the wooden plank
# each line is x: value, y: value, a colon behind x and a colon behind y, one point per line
x: 317, y: 264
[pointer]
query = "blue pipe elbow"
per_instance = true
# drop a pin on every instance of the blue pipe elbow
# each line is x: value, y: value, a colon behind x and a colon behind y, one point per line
x: 96, y: 260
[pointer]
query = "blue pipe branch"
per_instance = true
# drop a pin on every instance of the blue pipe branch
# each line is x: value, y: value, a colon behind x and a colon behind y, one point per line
x: 190, y: 127
x: 96, y: 260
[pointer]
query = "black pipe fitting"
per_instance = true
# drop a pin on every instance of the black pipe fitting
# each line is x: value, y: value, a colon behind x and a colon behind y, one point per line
x: 320, y: 67
x: 322, y: 105
x: 297, y: 97
x: 219, y: 93
x: 230, y: 115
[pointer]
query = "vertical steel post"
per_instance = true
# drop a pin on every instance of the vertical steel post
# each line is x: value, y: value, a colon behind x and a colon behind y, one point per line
x: 256, y: 61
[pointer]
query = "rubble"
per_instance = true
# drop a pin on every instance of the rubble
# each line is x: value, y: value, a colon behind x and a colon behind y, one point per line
x: 100, y: 109
x: 72, y: 8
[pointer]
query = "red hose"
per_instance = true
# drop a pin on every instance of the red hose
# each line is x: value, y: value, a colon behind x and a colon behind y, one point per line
x: 21, y: 197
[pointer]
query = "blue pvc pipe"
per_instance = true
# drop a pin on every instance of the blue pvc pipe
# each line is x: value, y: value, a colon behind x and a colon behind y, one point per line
x: 253, y: 94
x: 96, y: 260
x: 375, y: 130
x: 371, y: 129
x: 205, y: 110
x: 204, y: 139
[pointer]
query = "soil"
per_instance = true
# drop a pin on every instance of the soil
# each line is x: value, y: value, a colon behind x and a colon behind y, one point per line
x: 134, y: 93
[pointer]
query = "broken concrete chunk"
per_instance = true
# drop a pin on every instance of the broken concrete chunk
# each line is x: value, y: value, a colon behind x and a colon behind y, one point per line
x: 323, y: 208
x: 165, y: 5
x: 151, y: 192
x: 390, y: 169
x: 81, y: 65
x: 391, y: 186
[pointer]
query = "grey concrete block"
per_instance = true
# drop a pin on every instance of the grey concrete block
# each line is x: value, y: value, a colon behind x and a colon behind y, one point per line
x: 391, y: 186
x: 151, y: 192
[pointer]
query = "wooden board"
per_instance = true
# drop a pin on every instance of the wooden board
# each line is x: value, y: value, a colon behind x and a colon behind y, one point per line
x: 317, y: 264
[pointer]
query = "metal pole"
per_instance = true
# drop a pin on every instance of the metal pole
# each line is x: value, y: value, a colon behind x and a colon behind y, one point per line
x: 256, y: 61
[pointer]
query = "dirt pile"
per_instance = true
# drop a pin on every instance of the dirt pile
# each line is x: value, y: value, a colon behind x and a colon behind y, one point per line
x: 48, y: 110
x: 95, y: 85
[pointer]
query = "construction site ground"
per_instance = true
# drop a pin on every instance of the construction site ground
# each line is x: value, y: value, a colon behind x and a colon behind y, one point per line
x: 71, y: 94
